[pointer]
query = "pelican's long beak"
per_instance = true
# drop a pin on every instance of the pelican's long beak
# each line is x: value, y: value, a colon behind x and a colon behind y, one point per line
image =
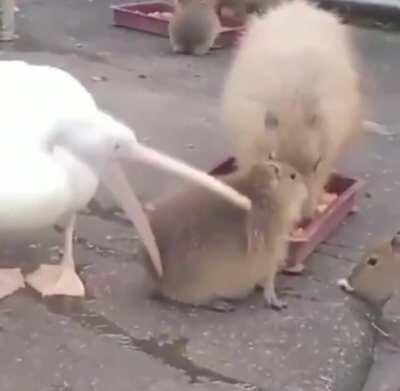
x: 164, y: 162
x: 118, y: 185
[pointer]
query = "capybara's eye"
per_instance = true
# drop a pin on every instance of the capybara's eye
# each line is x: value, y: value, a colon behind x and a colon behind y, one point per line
x: 293, y: 176
x: 372, y: 261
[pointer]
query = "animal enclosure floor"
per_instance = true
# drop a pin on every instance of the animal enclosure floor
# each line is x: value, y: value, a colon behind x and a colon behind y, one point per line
x: 118, y: 338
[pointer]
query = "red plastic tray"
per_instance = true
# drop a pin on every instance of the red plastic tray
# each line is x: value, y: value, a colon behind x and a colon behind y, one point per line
x: 125, y: 16
x: 318, y: 230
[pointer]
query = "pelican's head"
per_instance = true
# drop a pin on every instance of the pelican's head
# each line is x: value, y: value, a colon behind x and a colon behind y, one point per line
x: 102, y: 143
x: 97, y: 139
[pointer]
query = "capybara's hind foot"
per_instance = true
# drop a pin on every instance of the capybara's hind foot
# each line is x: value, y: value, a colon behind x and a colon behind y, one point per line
x: 220, y: 306
x: 215, y: 305
x: 277, y: 304
x: 272, y: 301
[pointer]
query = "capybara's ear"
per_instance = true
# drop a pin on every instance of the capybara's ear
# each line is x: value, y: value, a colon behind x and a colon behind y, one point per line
x: 395, y: 243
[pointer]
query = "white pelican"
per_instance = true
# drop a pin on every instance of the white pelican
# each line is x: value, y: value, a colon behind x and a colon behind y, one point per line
x: 56, y: 146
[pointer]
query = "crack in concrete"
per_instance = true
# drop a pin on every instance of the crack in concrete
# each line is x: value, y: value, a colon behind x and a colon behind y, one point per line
x: 172, y: 353
x: 335, y: 256
x: 112, y: 213
x: 98, y: 249
x: 340, y: 245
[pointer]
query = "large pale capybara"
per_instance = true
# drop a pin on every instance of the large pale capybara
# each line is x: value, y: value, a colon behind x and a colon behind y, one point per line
x: 293, y: 89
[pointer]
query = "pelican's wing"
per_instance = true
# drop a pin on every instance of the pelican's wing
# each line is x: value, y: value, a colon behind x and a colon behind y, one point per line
x: 34, y: 189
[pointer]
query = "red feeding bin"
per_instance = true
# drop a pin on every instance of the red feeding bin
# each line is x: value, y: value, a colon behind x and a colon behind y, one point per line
x: 138, y: 16
x: 319, y: 229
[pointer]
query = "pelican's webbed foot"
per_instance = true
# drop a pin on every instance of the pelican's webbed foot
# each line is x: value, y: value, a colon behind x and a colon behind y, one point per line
x: 10, y: 281
x: 52, y: 280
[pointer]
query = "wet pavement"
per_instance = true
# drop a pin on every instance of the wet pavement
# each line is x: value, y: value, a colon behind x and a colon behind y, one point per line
x: 384, y: 374
x: 118, y: 337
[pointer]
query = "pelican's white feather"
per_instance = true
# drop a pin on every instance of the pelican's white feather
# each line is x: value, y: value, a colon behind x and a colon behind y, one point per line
x: 34, y: 190
x: 39, y: 186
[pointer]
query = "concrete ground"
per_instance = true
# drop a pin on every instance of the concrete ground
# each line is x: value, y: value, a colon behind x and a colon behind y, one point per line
x: 118, y: 337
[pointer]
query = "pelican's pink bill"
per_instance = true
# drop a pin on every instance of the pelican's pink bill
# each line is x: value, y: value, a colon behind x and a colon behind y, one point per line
x: 117, y: 183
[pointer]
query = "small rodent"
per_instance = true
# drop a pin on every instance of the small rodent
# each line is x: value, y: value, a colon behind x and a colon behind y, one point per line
x: 194, y: 26
x: 293, y: 89
x: 377, y: 276
x: 213, y: 252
